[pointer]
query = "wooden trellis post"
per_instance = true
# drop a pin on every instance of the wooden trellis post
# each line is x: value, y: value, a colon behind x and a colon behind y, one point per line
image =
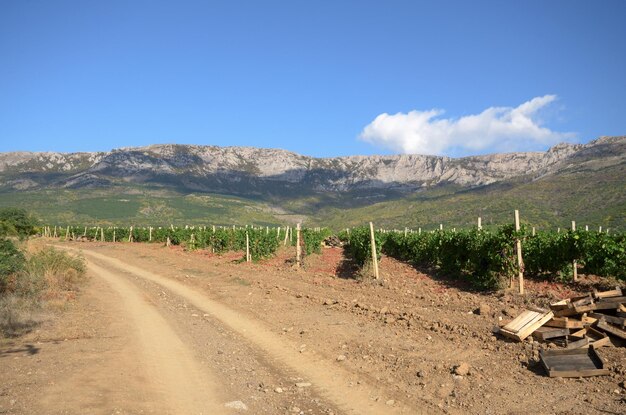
x: 574, y: 262
x: 520, y: 263
x: 480, y: 223
x: 247, y: 247
x: 286, y: 236
x: 101, y: 234
x: 374, y: 256
x: 150, y: 234
x: 113, y: 234
x: 298, y: 247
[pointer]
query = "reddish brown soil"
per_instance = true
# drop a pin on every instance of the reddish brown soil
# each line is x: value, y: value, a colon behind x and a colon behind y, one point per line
x: 398, y: 339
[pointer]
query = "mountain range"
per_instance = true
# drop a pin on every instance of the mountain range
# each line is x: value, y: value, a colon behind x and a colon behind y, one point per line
x: 271, y: 186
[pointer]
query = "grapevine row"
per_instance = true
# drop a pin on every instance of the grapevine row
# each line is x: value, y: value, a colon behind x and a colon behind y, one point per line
x: 263, y: 242
x: 487, y: 257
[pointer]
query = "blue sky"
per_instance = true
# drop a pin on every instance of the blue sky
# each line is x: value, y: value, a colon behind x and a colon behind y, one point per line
x: 323, y: 78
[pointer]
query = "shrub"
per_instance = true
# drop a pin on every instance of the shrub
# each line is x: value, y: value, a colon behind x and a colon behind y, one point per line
x: 51, y: 269
x: 11, y: 262
x: 16, y: 222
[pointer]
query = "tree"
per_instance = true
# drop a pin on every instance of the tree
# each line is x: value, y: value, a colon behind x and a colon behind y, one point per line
x: 16, y: 222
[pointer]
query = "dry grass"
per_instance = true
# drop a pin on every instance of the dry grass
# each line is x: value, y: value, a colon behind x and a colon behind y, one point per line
x: 48, y: 282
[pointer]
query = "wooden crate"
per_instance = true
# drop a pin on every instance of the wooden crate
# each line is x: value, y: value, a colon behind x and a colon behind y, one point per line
x: 526, y: 323
x: 572, y: 363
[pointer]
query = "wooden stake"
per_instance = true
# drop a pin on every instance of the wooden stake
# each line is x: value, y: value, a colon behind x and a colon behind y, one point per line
x: 574, y: 262
x: 374, y: 256
x: 114, y: 235
x: 298, y: 247
x: 85, y: 233
x: 101, y: 234
x: 534, y: 231
x: 247, y: 248
x: 150, y: 234
x: 130, y: 234
x: 67, y: 233
x: 441, y: 226
x: 520, y: 264
x: 480, y: 224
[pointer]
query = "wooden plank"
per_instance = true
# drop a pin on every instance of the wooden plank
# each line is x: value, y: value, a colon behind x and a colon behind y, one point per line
x: 525, y: 322
x: 545, y: 333
x: 531, y: 327
x: 560, y: 305
x: 520, y: 320
x: 607, y: 327
x: 605, y: 341
x: 587, y: 300
x: 607, y: 305
x: 588, y: 320
x: 576, y: 343
x: 565, y: 322
x: 617, y: 292
x: 566, y: 312
x: 618, y: 321
x: 597, y: 338
x: 621, y: 299
x: 585, y: 308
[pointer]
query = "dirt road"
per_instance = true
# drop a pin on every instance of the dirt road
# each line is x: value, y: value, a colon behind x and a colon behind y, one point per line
x: 159, y: 330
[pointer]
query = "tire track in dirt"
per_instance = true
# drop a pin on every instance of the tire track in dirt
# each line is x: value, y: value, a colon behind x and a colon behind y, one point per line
x: 329, y: 380
x: 176, y: 376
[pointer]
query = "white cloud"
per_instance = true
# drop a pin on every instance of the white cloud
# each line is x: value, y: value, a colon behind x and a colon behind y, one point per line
x: 496, y: 129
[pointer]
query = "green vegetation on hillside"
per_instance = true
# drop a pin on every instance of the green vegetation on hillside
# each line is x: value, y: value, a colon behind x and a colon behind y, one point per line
x: 589, y: 197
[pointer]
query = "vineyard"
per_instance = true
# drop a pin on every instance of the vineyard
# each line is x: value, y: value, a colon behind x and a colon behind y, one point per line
x: 485, y: 258
x: 262, y: 242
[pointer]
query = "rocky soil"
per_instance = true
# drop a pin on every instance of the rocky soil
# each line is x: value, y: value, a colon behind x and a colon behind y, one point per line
x: 419, y: 344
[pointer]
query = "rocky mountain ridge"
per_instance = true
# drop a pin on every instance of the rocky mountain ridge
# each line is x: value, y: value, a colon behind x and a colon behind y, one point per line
x: 250, y: 171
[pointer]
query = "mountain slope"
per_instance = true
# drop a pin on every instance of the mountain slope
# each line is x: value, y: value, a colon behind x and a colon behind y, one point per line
x: 566, y: 182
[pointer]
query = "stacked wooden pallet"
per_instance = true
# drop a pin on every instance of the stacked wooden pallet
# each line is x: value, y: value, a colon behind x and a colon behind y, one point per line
x: 591, y: 321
